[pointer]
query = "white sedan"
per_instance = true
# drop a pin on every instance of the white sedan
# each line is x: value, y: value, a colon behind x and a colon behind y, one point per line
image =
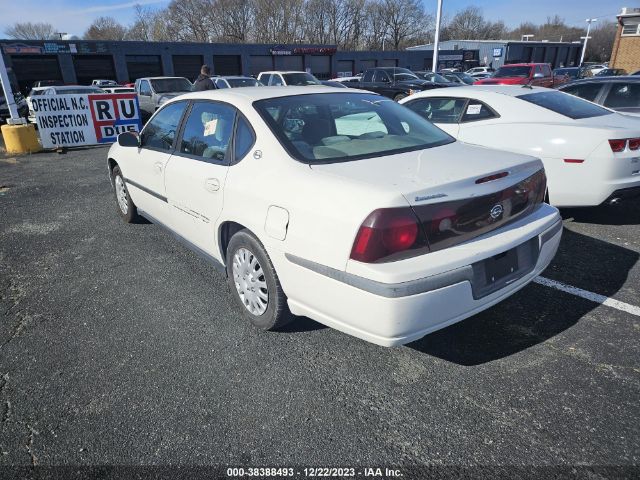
x: 591, y: 154
x: 387, y: 235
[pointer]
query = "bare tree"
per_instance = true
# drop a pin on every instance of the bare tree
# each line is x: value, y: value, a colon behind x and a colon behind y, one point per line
x: 105, y: 28
x: 404, y: 20
x: 31, y: 31
x: 470, y: 24
x: 143, y: 25
x: 601, y: 43
x: 279, y: 21
x: 191, y: 21
x: 235, y: 19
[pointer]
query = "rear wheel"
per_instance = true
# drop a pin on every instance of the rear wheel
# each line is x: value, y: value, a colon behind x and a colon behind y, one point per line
x: 254, y: 283
x: 126, y: 207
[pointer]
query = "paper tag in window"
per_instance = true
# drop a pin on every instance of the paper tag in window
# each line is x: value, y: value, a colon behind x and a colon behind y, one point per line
x: 210, y: 127
x: 474, y: 109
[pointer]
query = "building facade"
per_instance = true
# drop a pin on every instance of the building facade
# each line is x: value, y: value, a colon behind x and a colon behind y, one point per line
x: 495, y: 53
x: 80, y: 62
x: 626, y: 46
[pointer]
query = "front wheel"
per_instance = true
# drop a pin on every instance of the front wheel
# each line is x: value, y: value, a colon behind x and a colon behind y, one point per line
x: 254, y: 283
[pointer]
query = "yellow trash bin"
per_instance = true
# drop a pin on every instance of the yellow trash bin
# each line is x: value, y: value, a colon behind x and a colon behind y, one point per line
x: 20, y: 138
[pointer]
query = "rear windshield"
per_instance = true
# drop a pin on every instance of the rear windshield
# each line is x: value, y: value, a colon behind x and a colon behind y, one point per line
x: 243, y: 82
x: 520, y: 72
x: 167, y: 85
x: 337, y: 127
x: 300, y: 79
x: 565, y: 104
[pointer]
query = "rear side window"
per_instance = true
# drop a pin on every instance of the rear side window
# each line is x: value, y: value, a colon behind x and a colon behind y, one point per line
x: 476, y: 110
x: 439, y: 110
x: 160, y: 132
x: 244, y: 139
x: 567, y: 105
x: 623, y: 95
x: 588, y: 91
x: 276, y: 80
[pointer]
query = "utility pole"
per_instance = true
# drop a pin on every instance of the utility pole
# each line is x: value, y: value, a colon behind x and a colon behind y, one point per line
x: 436, y: 40
x: 586, y: 39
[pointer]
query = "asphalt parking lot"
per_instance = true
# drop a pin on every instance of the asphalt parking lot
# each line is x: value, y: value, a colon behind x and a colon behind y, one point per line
x: 118, y: 346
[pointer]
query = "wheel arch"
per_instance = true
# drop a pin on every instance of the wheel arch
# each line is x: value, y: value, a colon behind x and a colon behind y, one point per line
x: 112, y: 164
x: 226, y: 230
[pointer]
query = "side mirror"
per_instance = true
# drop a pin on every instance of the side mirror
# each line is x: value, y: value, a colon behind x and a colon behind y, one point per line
x: 128, y: 139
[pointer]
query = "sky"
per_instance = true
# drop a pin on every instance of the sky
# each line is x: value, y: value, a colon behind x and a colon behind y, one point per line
x: 74, y: 16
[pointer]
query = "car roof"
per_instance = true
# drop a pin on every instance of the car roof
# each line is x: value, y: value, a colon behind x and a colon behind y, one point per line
x: 158, y: 78
x: 282, y: 71
x: 74, y: 87
x: 605, y: 79
x: 524, y: 64
x: 248, y: 95
x: 234, y: 77
x: 478, y: 91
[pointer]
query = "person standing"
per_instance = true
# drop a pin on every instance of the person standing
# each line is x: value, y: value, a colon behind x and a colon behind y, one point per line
x: 204, y: 82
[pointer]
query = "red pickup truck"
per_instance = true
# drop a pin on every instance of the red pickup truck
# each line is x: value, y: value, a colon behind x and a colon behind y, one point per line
x: 538, y: 74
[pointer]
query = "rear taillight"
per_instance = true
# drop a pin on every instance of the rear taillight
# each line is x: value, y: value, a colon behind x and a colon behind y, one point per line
x: 634, y: 143
x: 388, y: 234
x: 618, y: 145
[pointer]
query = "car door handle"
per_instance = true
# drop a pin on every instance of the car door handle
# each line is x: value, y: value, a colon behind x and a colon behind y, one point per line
x: 212, y: 184
x: 158, y: 166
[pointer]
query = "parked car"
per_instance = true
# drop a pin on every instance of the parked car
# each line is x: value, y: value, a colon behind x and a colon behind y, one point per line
x: 590, y: 153
x: 481, y: 75
x: 235, y: 82
x: 119, y: 89
x: 435, y: 78
x: 594, y: 69
x: 611, y: 72
x: 21, y: 106
x: 393, y: 82
x: 459, y: 77
x: 475, y: 70
x: 47, y: 83
x: 274, y: 79
x: 332, y: 83
x: 104, y: 83
x: 59, y: 90
x: 347, y: 80
x: 387, y: 235
x: 539, y: 74
x: 618, y: 93
x: 153, y: 92
x: 636, y: 73
x: 573, y: 73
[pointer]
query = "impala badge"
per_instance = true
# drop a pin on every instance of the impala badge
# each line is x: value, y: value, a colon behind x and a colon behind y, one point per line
x: 496, y: 211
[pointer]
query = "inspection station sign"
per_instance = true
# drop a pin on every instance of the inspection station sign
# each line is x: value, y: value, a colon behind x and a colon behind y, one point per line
x: 75, y: 120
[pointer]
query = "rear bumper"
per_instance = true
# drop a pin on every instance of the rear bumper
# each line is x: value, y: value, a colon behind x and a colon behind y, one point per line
x: 390, y: 314
x: 623, y: 194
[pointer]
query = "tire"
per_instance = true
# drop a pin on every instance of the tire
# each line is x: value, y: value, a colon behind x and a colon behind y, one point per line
x: 244, y: 254
x: 125, y: 206
x: 399, y: 97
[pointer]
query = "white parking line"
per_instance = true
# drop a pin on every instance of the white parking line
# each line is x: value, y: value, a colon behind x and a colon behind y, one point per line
x: 594, y: 297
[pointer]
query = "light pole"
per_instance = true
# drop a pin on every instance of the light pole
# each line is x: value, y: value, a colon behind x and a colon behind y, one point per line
x: 525, y: 38
x: 586, y: 39
x: 436, y: 40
